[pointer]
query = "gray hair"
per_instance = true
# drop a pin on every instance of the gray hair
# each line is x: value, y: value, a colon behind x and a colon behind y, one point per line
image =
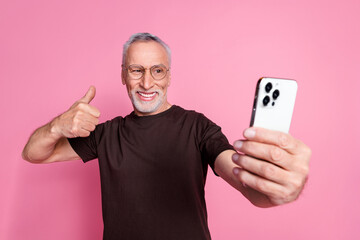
x: 145, y: 37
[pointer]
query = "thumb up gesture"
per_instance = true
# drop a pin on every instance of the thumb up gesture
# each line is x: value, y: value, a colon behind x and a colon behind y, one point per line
x: 80, y: 119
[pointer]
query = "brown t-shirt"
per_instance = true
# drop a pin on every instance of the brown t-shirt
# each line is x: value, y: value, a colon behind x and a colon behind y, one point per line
x: 153, y: 171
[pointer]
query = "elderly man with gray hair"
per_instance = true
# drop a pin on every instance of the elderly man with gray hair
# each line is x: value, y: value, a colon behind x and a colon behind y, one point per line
x: 153, y: 162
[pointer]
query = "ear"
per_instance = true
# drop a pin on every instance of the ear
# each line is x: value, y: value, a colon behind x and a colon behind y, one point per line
x: 123, y: 80
x: 169, y: 81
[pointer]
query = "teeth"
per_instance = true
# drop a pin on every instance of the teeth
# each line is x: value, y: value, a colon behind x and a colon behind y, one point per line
x: 147, y: 95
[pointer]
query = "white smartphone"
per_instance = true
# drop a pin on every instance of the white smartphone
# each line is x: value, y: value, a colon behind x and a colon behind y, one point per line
x: 274, y: 104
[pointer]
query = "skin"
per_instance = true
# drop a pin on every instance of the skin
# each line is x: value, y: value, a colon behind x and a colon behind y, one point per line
x: 147, y: 54
x: 49, y: 143
x: 269, y: 168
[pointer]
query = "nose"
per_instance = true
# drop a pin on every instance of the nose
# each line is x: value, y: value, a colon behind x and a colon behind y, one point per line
x: 147, y: 82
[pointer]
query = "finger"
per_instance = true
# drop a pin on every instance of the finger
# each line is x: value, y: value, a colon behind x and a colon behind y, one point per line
x: 93, y: 110
x: 91, y: 119
x: 87, y: 109
x: 90, y: 94
x: 87, y: 126
x: 283, y: 140
x: 262, y: 168
x: 80, y: 132
x: 86, y: 121
x: 262, y: 185
x: 84, y: 133
x: 266, y: 152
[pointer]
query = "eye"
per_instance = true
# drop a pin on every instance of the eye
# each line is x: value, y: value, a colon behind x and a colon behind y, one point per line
x: 158, y: 70
x: 135, y: 70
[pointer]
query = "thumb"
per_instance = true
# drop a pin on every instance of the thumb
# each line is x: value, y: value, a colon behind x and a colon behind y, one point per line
x: 90, y: 94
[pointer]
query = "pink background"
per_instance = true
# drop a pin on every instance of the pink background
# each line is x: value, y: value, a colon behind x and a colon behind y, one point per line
x: 51, y: 51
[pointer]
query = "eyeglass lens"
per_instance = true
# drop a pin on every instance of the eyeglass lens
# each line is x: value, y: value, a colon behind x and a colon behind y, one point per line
x: 158, y: 72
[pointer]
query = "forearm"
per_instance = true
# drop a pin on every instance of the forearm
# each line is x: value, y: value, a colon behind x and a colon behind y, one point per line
x: 49, y: 143
x: 41, y: 144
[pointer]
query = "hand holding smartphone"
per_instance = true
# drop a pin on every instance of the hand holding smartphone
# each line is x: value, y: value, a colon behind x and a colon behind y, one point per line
x: 274, y: 103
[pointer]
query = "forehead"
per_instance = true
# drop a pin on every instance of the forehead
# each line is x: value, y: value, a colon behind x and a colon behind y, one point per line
x: 147, y: 54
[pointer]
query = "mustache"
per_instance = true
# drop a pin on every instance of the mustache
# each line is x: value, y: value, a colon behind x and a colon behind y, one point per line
x: 134, y: 91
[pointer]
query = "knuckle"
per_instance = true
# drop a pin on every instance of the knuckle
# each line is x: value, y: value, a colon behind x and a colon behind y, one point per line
x: 74, y: 130
x: 296, y: 183
x: 75, y: 120
x: 260, y: 184
x: 286, y: 196
x: 283, y: 140
x: 77, y: 115
x: 267, y: 170
x: 304, y: 169
x: 301, y: 167
x: 80, y: 106
x: 276, y: 154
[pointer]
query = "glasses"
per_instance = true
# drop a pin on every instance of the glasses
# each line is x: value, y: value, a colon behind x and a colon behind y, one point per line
x: 136, y: 71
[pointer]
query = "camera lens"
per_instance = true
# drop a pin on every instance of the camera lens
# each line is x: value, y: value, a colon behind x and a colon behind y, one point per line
x: 276, y: 94
x: 266, y: 100
x: 268, y: 87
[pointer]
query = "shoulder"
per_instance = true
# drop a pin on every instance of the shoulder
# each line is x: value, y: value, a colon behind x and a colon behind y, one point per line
x: 197, y: 119
x: 190, y: 113
x: 107, y: 129
x: 114, y: 121
x: 110, y: 124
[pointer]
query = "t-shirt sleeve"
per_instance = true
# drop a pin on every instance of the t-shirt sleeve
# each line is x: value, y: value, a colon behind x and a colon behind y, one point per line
x: 213, y: 141
x: 86, y: 147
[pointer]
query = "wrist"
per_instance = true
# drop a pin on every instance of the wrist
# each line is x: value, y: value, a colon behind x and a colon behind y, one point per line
x: 54, y: 129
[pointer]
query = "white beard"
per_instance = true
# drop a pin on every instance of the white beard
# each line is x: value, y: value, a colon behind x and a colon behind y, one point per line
x: 147, y: 106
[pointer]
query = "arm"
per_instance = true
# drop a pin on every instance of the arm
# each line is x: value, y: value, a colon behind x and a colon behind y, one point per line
x: 49, y: 143
x: 272, y: 171
x: 45, y: 146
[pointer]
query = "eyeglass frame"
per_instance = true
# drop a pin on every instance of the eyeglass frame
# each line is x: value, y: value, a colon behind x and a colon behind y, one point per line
x: 143, y: 73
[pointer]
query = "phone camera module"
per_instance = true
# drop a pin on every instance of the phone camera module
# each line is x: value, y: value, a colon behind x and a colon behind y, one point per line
x: 276, y: 94
x: 268, y: 87
x: 266, y: 100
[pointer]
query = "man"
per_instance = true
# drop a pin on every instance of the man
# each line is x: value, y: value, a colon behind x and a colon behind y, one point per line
x: 153, y: 162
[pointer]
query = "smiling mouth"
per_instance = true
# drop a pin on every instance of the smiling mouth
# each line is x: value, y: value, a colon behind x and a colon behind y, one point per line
x: 146, y: 96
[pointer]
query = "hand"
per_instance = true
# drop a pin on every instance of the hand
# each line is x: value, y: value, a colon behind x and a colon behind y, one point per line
x: 274, y: 164
x: 79, y: 120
